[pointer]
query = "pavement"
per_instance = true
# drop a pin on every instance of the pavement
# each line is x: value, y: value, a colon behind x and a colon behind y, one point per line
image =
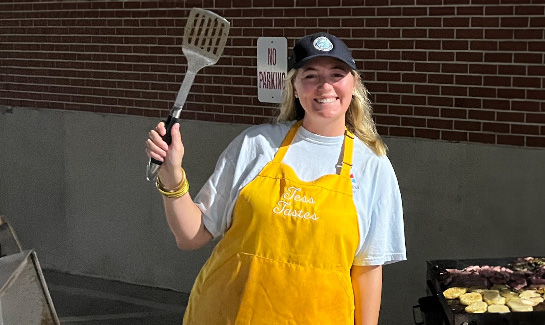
x: 81, y: 300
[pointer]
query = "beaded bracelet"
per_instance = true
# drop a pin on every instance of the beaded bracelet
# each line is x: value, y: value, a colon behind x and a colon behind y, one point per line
x: 180, y: 190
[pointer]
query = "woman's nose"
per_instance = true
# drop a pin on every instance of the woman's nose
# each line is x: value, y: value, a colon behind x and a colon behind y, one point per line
x: 324, y: 84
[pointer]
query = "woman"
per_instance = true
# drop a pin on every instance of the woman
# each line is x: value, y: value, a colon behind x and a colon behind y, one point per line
x: 308, y: 209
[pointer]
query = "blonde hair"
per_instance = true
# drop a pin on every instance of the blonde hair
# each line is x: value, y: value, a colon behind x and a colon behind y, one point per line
x: 358, y: 116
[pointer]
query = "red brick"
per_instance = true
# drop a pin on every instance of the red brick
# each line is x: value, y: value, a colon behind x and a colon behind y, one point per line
x: 388, y: 33
x: 522, y: 82
x: 524, y: 129
x: 386, y: 11
x: 482, y: 138
x: 528, y: 58
x: 427, y: 133
x: 371, y: 22
x: 469, y: 33
x: 467, y: 125
x: 497, y: 81
x: 485, y: 22
x: 499, y: 57
x: 426, y: 89
x: 513, y: 140
x: 414, y: 11
x: 514, y: 22
x: 499, y: 10
x: 483, y: 69
x: 525, y: 105
x: 479, y: 114
x: 428, y: 22
x: 515, y: 70
x: 513, y: 45
x: 400, y: 110
x: 456, y: 22
x: 454, y: 113
x: 442, y: 56
x: 536, y: 46
x: 533, y: 34
x: 496, y: 127
x: 400, y: 66
x: 470, y: 11
x: 510, y: 117
x: 496, y: 104
x: 443, y: 11
x: 401, y: 132
x: 441, y: 101
x: 467, y: 102
x: 414, y: 33
x: 402, y: 22
x: 535, y: 118
x: 413, y: 100
x: 387, y: 120
x: 454, y: 91
x: 469, y: 80
x: 427, y: 67
x: 400, y: 88
x: 535, y: 141
x: 529, y: 10
x: 538, y: 94
x: 387, y: 98
x: 469, y: 56
x: 439, y: 124
x: 537, y: 22
x: 426, y: 111
x: 454, y: 136
x: 490, y: 34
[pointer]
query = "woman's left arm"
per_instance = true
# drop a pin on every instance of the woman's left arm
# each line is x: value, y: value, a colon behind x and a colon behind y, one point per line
x: 367, y: 286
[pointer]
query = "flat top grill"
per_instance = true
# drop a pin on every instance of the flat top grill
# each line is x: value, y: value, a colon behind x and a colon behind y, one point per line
x: 455, y: 313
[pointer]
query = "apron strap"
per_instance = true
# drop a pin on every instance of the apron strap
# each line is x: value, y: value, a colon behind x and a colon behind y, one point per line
x: 347, y: 148
x: 287, y: 141
x: 347, y: 153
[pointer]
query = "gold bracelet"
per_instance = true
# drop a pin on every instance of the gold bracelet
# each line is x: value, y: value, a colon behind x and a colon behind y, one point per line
x: 180, y: 190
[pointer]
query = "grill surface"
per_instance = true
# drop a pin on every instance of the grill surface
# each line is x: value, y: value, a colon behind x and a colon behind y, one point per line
x: 456, y: 315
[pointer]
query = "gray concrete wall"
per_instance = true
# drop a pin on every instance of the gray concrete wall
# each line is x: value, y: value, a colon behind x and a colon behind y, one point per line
x: 73, y: 186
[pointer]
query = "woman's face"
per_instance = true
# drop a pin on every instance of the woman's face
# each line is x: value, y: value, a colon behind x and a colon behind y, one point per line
x: 324, y: 86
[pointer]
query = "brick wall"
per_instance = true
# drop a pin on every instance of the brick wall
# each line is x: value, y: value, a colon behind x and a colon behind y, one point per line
x: 455, y: 70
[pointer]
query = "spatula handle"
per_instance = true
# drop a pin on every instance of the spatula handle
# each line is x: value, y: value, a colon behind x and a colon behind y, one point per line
x: 183, y: 92
x: 154, y: 164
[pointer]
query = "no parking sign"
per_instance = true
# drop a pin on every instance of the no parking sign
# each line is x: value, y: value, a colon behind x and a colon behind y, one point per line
x: 272, y: 66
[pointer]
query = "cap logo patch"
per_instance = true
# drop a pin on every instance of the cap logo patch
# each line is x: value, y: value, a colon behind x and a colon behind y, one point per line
x: 322, y: 43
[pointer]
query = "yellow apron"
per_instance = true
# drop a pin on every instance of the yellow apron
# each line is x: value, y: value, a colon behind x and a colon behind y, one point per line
x: 287, y: 256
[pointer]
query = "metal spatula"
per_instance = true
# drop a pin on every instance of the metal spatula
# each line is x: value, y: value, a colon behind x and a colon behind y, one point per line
x: 205, y: 35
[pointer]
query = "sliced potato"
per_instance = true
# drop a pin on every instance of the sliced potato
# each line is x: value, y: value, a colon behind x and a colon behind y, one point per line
x: 492, y: 297
x: 532, y: 301
x: 470, y: 297
x: 454, y: 292
x: 508, y: 294
x: 498, y: 309
x: 516, y: 305
x: 477, y: 307
x: 529, y: 294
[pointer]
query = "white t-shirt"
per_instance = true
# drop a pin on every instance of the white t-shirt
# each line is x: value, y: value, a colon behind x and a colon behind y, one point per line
x: 374, y: 183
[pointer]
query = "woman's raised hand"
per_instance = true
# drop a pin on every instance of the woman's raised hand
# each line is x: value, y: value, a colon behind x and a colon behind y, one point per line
x: 171, y: 155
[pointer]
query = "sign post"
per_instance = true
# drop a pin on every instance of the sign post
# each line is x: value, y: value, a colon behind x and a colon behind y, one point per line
x: 272, y: 66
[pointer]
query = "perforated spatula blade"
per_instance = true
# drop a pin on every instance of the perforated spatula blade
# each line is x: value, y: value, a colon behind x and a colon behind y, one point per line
x: 205, y: 35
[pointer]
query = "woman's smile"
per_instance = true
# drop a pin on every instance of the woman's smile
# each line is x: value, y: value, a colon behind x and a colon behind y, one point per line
x: 324, y: 87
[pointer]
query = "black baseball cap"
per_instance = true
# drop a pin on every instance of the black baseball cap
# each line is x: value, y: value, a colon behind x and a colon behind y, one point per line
x: 320, y: 44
